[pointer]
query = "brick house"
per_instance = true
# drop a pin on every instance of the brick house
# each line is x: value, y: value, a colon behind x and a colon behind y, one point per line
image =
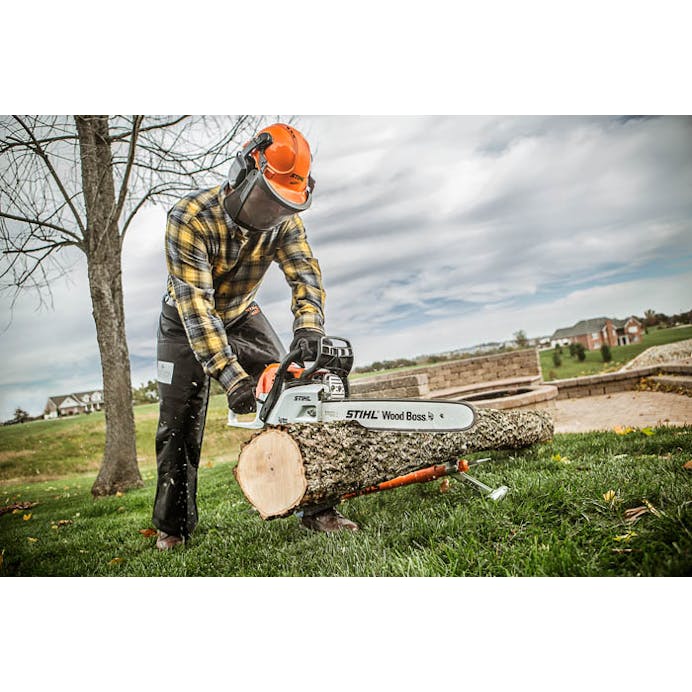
x: 73, y: 404
x: 593, y: 333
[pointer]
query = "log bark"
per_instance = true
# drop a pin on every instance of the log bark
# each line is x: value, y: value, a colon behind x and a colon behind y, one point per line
x: 284, y: 468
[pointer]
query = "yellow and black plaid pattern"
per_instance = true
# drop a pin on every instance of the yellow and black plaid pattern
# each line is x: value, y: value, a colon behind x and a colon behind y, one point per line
x: 215, y: 269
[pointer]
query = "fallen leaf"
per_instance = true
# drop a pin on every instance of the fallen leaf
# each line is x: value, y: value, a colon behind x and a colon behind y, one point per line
x: 26, y: 517
x: 31, y: 539
x: 118, y: 494
x: 647, y: 431
x: 208, y: 465
x: 609, y: 496
x: 634, y: 514
x: 54, y: 526
x: 116, y: 560
x: 17, y: 507
x: 148, y: 533
x: 625, y: 538
x: 120, y: 509
x: 620, y: 430
x: 621, y: 550
x: 444, y: 485
x: 688, y: 465
x: 64, y: 522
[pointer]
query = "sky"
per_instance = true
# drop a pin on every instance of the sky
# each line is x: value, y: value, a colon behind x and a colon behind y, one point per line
x: 433, y: 233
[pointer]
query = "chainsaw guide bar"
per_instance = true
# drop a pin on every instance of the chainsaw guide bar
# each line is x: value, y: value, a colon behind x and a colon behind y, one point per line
x: 320, y: 394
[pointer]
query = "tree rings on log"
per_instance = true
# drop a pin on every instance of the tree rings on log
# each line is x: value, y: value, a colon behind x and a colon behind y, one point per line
x: 270, y: 473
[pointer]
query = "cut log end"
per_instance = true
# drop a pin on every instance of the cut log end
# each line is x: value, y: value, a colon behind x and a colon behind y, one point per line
x: 270, y: 473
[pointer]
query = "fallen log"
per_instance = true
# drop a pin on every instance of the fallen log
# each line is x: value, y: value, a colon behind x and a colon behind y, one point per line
x: 284, y: 468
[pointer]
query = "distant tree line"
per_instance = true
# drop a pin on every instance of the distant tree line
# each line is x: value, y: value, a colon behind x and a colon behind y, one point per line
x: 652, y: 318
x: 431, y: 359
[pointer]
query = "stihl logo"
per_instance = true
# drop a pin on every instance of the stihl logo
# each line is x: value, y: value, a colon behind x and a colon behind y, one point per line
x: 301, y: 397
x: 359, y: 415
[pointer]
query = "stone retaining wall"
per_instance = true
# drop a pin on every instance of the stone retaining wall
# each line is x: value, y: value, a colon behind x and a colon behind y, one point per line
x: 608, y: 383
x: 500, y: 366
x: 459, y: 373
x: 405, y: 386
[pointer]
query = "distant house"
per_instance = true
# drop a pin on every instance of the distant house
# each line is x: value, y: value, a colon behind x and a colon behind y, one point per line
x: 593, y: 333
x: 73, y: 404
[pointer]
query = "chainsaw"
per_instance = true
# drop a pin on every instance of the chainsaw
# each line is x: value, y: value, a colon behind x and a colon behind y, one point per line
x: 287, y: 393
x: 320, y: 393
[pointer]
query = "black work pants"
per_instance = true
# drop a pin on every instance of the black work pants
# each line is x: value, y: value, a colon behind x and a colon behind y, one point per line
x: 183, y: 396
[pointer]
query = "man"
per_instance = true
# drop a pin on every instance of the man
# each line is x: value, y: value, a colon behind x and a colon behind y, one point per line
x: 219, y: 244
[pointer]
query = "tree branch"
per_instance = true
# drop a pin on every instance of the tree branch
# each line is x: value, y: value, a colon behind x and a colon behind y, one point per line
x: 40, y: 151
x: 128, y: 169
x: 161, y: 126
x: 44, y: 224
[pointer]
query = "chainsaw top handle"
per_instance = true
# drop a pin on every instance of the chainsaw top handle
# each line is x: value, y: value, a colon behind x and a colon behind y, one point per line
x: 334, y: 357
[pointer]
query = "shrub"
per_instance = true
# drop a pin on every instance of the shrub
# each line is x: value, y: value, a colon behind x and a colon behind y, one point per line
x: 557, y: 359
x: 581, y: 352
x: 606, y: 354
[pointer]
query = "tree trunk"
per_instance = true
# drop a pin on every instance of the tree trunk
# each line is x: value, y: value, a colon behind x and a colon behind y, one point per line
x: 284, y: 468
x: 119, y: 470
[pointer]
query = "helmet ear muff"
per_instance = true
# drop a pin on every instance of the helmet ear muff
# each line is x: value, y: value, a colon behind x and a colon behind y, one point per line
x: 239, y: 170
x: 243, y: 162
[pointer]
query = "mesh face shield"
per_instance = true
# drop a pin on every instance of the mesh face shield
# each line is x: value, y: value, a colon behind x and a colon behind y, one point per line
x: 255, y: 205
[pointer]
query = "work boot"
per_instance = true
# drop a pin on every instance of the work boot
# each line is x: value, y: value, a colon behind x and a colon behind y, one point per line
x: 164, y: 541
x: 327, y: 521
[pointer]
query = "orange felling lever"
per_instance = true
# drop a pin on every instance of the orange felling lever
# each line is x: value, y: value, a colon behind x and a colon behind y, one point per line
x: 425, y: 475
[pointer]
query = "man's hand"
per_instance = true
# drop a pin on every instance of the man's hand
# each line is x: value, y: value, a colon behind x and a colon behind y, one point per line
x: 241, y: 399
x: 308, y: 341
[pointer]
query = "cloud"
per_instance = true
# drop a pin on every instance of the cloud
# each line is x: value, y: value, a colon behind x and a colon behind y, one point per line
x: 433, y: 233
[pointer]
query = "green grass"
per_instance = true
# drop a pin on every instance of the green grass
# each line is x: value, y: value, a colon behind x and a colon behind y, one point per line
x: 49, y: 449
x: 554, y: 522
x: 593, y: 365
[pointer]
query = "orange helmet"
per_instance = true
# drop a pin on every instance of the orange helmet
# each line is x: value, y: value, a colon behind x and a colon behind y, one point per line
x: 270, y: 178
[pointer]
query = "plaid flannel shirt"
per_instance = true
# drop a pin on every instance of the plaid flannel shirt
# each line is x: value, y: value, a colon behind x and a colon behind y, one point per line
x: 215, y: 269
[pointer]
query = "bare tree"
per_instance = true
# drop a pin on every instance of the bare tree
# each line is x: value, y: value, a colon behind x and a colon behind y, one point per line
x: 78, y: 182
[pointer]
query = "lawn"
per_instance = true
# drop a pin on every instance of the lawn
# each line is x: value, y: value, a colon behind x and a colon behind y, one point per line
x: 47, y: 449
x: 594, y: 364
x: 566, y: 514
